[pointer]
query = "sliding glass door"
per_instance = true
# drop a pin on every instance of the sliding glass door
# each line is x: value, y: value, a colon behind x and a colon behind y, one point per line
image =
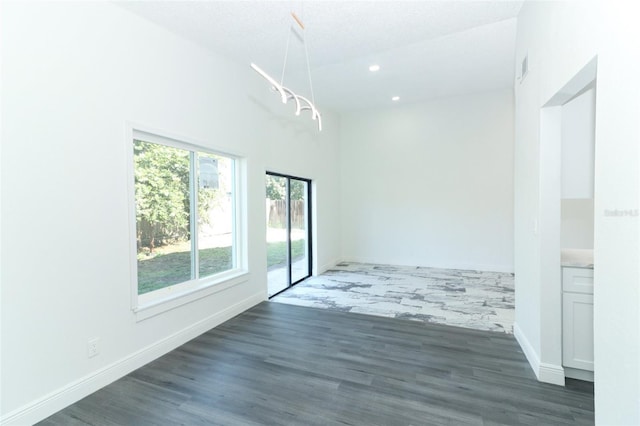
x: 288, y: 231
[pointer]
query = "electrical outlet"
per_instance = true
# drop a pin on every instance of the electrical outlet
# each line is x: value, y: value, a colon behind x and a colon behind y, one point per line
x: 93, y: 347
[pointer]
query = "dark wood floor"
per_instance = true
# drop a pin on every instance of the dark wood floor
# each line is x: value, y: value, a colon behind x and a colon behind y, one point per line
x: 279, y: 364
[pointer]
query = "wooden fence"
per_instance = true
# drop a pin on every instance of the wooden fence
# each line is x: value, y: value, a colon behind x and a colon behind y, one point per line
x: 277, y: 213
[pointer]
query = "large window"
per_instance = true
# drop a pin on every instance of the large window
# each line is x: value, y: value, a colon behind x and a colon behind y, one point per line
x: 185, y: 215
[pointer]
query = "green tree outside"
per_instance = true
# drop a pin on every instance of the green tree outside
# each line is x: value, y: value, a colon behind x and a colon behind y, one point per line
x: 162, y: 194
x: 276, y: 188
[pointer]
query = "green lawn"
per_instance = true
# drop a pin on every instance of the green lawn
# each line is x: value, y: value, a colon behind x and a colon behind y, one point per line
x: 277, y: 252
x: 167, y: 269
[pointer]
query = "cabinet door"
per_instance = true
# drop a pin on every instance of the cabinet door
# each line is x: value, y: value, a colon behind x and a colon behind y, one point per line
x: 577, y: 330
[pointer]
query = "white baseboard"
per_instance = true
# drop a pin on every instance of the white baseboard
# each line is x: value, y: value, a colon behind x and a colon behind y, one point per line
x: 454, y: 265
x: 574, y: 373
x: 551, y: 373
x: 527, y: 348
x: 74, y: 391
x: 547, y: 373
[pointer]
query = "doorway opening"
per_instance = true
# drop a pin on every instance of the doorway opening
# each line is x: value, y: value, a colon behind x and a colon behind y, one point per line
x: 566, y: 229
x: 288, y: 208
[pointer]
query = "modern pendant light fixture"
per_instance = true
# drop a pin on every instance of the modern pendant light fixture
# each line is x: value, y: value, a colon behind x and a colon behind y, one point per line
x: 302, y: 103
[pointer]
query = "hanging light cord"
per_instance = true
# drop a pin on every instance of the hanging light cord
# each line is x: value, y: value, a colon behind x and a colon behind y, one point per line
x: 306, y: 52
x: 286, y: 55
x: 302, y: 103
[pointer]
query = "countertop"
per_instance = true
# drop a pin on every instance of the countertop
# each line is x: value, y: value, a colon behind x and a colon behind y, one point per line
x: 577, y: 258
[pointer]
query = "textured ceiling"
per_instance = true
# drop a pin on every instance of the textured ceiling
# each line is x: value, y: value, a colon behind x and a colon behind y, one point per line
x: 426, y: 49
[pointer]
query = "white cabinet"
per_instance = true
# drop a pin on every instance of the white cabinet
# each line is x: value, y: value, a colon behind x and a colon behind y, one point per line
x: 577, y: 322
x: 577, y: 280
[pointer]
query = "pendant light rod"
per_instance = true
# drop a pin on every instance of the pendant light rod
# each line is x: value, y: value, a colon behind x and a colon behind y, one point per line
x: 286, y: 94
x: 274, y: 84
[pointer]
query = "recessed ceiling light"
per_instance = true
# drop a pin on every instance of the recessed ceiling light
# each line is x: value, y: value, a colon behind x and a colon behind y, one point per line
x: 395, y: 98
x: 374, y: 68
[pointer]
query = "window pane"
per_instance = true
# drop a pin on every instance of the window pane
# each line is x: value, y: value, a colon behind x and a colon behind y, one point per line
x: 299, y: 230
x: 277, y: 248
x: 162, y: 215
x: 215, y: 214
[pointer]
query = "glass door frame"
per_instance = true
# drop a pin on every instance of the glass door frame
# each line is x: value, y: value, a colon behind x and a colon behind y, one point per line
x: 288, y: 232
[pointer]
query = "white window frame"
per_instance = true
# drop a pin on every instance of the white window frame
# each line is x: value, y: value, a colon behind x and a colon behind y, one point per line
x: 155, y: 302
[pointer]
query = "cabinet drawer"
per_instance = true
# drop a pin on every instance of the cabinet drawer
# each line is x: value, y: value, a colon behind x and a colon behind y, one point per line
x: 577, y: 280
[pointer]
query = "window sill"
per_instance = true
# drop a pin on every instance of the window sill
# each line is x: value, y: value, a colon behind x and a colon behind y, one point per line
x: 170, y: 301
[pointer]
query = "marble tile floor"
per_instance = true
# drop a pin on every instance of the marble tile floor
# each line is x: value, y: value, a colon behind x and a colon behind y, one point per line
x: 464, y: 298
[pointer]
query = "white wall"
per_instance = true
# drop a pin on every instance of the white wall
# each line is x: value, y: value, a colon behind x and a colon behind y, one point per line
x: 561, y: 38
x: 72, y: 75
x: 430, y: 184
x: 577, y: 224
x: 578, y: 146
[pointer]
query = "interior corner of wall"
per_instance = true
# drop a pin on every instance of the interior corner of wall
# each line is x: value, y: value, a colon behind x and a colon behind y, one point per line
x: 547, y: 373
x: 324, y: 268
x: 527, y: 348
